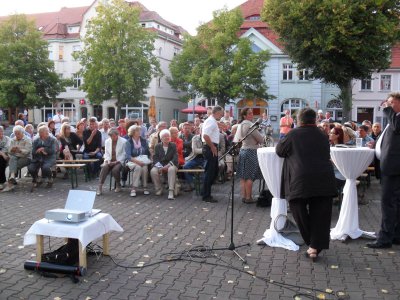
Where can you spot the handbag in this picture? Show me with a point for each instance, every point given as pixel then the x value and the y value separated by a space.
pixel 144 159
pixel 289 230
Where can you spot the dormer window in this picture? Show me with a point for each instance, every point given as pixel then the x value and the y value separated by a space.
pixel 254 18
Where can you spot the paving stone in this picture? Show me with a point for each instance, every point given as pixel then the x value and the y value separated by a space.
pixel 361 272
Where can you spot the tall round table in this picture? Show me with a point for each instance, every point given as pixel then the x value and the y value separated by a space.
pixel 351 162
pixel 271 168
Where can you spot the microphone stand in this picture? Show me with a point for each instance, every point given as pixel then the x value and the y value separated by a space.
pixel 234 151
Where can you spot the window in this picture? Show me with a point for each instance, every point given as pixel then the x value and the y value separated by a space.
pixel 60 75
pixel 159 81
pixel 386 82
pixel 287 71
pixel 303 74
pixel 176 114
pixel 51 54
pixel 159 51
pixel 176 51
pixel 77 80
pixel 60 52
pixel 143 25
pixel 366 84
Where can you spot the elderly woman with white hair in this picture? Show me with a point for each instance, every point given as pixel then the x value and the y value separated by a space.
pixel 44 150
pixel 136 149
pixel 20 153
pixel 165 161
pixel 4 145
pixel 114 158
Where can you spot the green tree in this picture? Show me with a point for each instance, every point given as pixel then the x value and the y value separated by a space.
pixel 27 76
pixel 218 64
pixel 337 40
pixel 117 59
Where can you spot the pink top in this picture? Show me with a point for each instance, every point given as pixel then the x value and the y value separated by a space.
pixel 285 124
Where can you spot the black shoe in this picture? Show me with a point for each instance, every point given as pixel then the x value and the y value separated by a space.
pixel 396 241
pixel 379 245
pixel 12 180
pixel 210 199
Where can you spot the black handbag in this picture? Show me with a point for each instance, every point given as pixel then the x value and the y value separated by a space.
pixel 67 254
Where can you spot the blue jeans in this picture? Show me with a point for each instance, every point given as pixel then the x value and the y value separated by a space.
pixel 94 168
pixel 191 164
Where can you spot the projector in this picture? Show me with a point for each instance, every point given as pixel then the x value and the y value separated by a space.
pixel 66 215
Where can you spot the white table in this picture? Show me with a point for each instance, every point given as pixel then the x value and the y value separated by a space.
pixel 351 162
pixel 271 168
pixel 95 227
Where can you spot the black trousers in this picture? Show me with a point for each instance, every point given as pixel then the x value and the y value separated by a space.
pixel 390 205
pixel 313 217
pixel 210 171
pixel 3 166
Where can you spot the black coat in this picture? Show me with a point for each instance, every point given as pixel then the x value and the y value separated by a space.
pixel 165 158
pixel 390 147
pixel 307 168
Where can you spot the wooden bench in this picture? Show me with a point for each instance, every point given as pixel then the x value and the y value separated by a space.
pixel 80 161
pixel 71 169
pixel 197 177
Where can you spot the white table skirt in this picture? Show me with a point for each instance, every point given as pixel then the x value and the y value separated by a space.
pixel 271 168
pixel 351 162
pixel 86 232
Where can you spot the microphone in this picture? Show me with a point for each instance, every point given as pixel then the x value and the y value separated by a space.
pixel 257 123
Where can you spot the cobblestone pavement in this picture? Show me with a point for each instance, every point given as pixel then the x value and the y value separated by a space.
pixel 154 226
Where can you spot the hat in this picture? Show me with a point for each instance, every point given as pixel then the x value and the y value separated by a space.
pixel 320 111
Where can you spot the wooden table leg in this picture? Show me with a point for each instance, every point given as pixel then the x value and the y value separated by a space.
pixel 76 177
pixel 82 256
pixel 39 247
pixel 106 244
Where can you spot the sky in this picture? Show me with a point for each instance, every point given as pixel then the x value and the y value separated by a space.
pixel 186 13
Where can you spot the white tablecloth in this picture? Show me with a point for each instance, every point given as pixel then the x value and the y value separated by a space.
pixel 85 232
pixel 351 162
pixel 271 168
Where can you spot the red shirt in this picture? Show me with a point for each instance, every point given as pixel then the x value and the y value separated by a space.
pixel 121 130
pixel 179 147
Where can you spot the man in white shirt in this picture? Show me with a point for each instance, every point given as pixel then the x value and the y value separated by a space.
pixel 58 119
pixel 210 139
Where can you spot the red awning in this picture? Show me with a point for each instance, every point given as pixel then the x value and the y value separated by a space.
pixel 197 110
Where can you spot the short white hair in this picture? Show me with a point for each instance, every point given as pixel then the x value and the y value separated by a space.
pixel 18 128
pixel 164 132
pixel 43 128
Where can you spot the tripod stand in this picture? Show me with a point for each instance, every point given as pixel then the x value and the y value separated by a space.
pixel 234 151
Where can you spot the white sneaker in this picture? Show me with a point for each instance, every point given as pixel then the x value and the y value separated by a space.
pixel 159 192
pixel 171 195
pixel 99 190
pixel 133 193
pixel 146 192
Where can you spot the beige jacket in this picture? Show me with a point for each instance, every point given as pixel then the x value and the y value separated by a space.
pixel 24 144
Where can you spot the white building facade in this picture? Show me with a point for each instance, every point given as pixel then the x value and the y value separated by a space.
pixel 64 31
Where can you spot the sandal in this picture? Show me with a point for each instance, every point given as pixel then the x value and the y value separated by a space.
pixel 312 255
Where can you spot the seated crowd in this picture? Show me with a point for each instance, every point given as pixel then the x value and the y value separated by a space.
pixel 124 148
pixel 128 148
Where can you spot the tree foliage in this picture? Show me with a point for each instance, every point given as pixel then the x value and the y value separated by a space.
pixel 218 64
pixel 27 76
pixel 338 40
pixel 117 59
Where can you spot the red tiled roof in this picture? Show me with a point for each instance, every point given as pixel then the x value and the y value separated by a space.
pixel 395 57
pixel 54 24
pixel 253 8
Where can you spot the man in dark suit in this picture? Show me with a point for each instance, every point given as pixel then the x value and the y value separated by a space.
pixel 308 180
pixel 165 160
pixel 388 151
